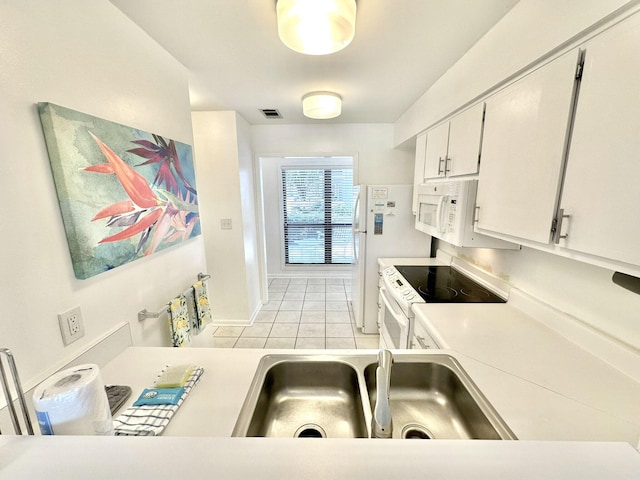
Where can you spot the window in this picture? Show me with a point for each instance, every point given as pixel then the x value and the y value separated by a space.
pixel 317 209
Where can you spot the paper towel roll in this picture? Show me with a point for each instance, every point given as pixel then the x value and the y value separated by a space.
pixel 73 402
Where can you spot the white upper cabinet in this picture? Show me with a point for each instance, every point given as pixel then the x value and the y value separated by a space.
pixel 418 172
pixel 465 137
pixel 453 148
pixel 601 192
pixel 436 152
pixel 523 151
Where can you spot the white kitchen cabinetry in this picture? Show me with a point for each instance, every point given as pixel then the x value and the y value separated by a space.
pixel 421 338
pixel 453 148
pixel 418 172
pixel 601 192
pixel 449 150
pixel 523 151
pixel 435 155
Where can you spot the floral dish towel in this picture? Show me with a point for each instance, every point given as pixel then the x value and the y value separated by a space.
pixel 203 309
pixel 179 322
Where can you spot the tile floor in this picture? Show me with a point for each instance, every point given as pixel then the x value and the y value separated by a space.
pixel 302 313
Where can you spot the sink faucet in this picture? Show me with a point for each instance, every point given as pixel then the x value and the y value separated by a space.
pixel 381 424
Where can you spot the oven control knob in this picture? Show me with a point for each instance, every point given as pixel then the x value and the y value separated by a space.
pixel 408 294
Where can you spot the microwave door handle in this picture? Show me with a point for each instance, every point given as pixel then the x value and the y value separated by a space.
pixel 439 213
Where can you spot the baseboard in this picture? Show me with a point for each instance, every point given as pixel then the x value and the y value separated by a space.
pixel 326 274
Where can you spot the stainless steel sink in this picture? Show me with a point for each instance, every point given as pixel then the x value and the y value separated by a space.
pixel 333 396
pixel 436 399
pixel 303 397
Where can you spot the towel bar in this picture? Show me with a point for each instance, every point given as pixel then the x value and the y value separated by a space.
pixel 7 394
pixel 144 314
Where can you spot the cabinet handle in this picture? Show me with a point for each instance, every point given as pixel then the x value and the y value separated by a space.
pixel 440 170
pixel 557 227
pixel 476 214
pixel 447 162
pixel 421 342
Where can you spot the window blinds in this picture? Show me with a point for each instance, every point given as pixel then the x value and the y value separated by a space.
pixel 317 215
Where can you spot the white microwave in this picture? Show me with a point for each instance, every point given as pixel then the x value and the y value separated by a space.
pixel 445 210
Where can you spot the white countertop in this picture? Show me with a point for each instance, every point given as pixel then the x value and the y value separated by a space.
pixel 210 412
pixel 543 377
pixel 168 458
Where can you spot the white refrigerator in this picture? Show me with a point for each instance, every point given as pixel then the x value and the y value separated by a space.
pixel 383 227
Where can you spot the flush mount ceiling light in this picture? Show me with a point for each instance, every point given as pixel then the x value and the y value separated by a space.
pixel 316 27
pixel 321 105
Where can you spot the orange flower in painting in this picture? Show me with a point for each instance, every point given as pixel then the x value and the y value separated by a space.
pixel 133 183
pixel 157 219
pixel 138 214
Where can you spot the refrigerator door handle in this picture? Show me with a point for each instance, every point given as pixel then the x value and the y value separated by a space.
pixel 353 245
pixel 356 208
pixel 356 231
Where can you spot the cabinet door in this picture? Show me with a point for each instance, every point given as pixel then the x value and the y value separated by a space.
pixel 437 140
pixel 601 192
pixel 418 172
pixel 523 149
pixel 465 135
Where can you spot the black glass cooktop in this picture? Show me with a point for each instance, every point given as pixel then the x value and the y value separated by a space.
pixel 443 284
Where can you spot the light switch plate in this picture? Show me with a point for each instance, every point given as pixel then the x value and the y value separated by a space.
pixel 225 224
pixel 71 325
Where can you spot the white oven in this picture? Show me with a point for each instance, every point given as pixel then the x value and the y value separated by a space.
pixel 395 317
pixel 395 326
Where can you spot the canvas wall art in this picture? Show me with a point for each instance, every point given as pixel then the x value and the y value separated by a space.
pixel 123 193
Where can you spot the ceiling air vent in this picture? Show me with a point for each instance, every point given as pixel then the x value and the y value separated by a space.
pixel 270 113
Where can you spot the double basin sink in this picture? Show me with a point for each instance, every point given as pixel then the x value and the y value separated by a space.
pixel 333 396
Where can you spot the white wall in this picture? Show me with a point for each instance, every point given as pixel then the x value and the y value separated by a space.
pixel 249 220
pixel 376 162
pixel 89 57
pixel 529 31
pixel 225 177
pixel 532 29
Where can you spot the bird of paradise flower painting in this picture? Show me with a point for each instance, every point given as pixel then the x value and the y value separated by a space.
pixel 123 193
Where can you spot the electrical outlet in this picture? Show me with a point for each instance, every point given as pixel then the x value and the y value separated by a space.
pixel 71 325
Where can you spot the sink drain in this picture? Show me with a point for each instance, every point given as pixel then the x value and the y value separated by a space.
pixel 310 430
pixel 416 431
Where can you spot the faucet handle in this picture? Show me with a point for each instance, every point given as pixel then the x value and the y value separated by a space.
pixel 385 359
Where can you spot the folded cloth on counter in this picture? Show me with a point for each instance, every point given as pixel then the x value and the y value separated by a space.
pixel 203 309
pixel 179 322
pixel 151 420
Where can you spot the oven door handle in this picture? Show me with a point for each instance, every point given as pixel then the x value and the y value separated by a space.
pixel 393 307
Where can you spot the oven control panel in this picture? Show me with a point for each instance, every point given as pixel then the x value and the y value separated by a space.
pixel 398 286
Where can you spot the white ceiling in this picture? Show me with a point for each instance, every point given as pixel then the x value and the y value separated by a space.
pixel 236 61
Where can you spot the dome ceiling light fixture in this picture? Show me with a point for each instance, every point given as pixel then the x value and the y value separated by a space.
pixel 316 27
pixel 321 105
